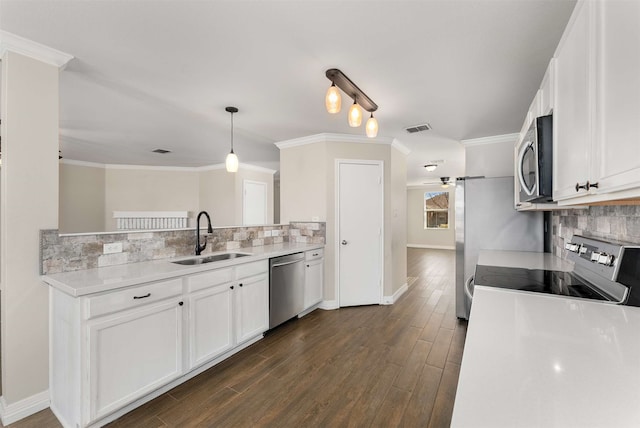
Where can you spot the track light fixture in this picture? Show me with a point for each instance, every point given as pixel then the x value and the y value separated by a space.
pixel 360 99
pixel 232 160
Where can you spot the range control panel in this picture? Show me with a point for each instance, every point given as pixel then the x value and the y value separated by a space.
pixel 597 256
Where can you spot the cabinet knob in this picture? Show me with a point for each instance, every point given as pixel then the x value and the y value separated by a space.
pixel 180 303
pixel 231 287
pixel 582 186
pixel 590 185
pixel 240 284
pixel 307 265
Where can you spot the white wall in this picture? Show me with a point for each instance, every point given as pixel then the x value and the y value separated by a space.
pixel 490 159
pixel 29 202
pixel 82 198
pixel 417 235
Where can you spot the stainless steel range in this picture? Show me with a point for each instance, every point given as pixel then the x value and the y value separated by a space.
pixel 605 271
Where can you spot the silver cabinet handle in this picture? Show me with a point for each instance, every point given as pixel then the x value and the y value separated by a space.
pixel 344 242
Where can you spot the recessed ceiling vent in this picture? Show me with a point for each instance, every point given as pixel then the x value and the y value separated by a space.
pixel 161 151
pixel 418 128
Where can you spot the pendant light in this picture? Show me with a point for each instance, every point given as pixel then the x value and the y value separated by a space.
pixel 355 114
pixel 372 127
pixel 232 160
pixel 333 100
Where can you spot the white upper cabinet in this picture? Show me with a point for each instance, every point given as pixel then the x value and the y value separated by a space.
pixel 597 104
pixel 616 162
pixel 546 94
pixel 572 124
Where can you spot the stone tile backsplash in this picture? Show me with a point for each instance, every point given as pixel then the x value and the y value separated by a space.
pixel 77 252
pixel 614 222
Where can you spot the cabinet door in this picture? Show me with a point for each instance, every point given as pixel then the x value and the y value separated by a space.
pixel 132 353
pixel 252 307
pixel 572 122
pixel 617 155
pixel 210 323
pixel 313 282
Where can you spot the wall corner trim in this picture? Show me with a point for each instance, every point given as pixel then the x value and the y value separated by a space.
pixel 400 147
pixel 35 50
pixel 504 138
pixel 10 413
pixel 390 300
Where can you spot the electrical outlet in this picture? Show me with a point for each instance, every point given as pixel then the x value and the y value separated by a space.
pixel 267 233
pixel 114 247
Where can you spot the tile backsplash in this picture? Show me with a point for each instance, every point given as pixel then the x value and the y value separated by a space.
pixel 614 222
pixel 85 251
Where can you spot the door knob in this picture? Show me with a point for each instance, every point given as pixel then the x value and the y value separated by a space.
pixel 344 242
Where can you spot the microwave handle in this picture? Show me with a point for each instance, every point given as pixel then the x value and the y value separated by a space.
pixel 523 150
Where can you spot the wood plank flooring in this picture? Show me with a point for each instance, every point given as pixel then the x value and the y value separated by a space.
pixel 368 366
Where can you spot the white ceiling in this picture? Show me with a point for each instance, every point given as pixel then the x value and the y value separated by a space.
pixel 158 74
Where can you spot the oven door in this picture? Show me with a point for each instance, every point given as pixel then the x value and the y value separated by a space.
pixel 527 167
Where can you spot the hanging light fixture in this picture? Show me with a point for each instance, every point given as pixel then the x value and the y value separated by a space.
pixel 430 167
pixel 372 127
pixel 333 100
pixel 355 115
pixel 360 100
pixel 232 160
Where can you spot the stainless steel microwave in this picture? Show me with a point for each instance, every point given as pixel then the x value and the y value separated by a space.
pixel 535 162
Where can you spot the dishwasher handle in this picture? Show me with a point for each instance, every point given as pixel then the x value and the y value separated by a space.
pixel 286 263
pixel 467 287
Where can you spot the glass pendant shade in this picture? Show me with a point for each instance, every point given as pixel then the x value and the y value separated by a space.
pixel 355 115
pixel 232 162
pixel 333 100
pixel 372 127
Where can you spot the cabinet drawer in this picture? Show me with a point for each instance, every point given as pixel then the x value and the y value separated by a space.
pixel 250 269
pixel 131 297
pixel 314 254
pixel 207 279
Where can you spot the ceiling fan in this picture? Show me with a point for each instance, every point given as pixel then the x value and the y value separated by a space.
pixel 444 182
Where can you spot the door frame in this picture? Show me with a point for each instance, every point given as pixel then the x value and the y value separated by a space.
pixel 336 214
pixel 244 201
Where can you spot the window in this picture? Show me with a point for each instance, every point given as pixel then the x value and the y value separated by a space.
pixel 436 210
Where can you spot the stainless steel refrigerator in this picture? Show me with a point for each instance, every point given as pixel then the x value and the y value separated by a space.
pixel 487 220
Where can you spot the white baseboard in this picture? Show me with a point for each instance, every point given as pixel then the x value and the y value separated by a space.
pixel 390 300
pixel 432 247
pixel 10 413
pixel 329 305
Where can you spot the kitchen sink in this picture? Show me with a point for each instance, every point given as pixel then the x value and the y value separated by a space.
pixel 209 259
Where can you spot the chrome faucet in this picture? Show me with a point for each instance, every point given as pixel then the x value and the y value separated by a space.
pixel 199 247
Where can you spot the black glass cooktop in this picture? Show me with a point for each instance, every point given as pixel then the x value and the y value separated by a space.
pixel 535 280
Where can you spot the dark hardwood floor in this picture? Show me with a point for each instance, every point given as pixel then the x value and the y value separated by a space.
pixel 378 366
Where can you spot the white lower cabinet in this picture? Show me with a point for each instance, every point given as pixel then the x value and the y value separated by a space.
pixel 115 348
pixel 313 278
pixel 133 353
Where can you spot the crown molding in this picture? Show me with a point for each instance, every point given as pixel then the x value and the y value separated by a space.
pixel 505 138
pixel 35 50
pixel 243 166
pixel 400 147
pixel 332 138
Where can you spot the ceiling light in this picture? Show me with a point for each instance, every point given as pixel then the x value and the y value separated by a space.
pixel 333 100
pixel 232 160
pixel 430 167
pixel 360 99
pixel 355 115
pixel 372 127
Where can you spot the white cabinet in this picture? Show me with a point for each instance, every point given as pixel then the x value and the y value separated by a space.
pixel 252 307
pixel 314 277
pixel 132 353
pixel 597 111
pixel 572 124
pixel 210 323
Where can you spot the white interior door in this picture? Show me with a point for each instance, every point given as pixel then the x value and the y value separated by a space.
pixel 360 231
pixel 254 202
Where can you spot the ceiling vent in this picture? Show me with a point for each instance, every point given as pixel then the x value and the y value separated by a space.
pixel 161 151
pixel 418 128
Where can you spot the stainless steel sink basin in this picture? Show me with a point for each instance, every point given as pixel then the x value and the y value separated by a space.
pixel 209 259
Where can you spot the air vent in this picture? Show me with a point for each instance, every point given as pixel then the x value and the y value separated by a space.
pixel 161 151
pixel 418 128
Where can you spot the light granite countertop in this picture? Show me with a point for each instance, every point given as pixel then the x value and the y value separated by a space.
pixel 90 281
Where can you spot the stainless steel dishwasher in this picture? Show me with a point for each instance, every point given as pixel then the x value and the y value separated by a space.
pixel 286 287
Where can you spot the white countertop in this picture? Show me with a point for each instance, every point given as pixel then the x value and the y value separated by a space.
pixel 523 259
pixel 533 360
pixel 89 281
